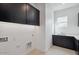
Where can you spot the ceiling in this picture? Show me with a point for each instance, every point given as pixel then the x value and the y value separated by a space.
pixel 60 6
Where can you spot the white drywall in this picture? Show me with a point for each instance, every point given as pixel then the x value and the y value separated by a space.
pixel 18 37
pixel 48 26
pixel 72 14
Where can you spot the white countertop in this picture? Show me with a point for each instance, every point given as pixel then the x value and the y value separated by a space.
pixel 77 37
pixel 73 35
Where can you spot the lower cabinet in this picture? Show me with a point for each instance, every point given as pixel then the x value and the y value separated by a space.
pixel 64 41
pixel 77 46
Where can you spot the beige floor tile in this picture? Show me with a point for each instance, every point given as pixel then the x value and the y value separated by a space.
pixel 54 50
pixel 36 52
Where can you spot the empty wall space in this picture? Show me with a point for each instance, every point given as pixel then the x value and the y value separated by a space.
pixel 48 26
pixel 18 37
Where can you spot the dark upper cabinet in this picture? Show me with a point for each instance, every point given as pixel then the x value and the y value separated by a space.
pixel 21 13
pixel 32 15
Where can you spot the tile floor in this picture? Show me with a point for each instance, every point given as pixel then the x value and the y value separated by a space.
pixel 54 50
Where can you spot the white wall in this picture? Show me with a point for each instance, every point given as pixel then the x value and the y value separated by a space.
pixel 18 37
pixel 72 13
pixel 48 26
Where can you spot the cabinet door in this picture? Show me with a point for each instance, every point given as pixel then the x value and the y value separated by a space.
pixel 12 12
pixel 32 15
pixel 58 40
pixel 64 41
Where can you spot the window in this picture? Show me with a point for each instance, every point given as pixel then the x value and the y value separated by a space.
pixel 61 21
pixel 61 24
